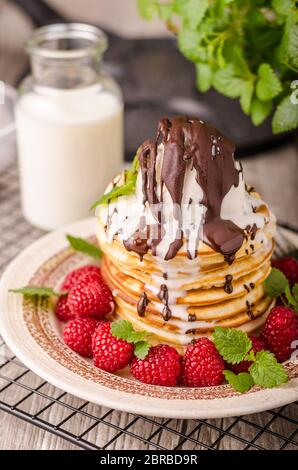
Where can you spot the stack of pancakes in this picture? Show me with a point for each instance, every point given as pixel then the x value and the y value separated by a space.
pixel 182 299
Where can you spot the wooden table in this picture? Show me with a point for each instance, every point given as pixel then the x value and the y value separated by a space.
pixel 275 176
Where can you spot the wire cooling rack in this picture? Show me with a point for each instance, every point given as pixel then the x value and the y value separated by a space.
pixel 88 426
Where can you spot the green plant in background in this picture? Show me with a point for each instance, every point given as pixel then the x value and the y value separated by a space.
pixel 245 49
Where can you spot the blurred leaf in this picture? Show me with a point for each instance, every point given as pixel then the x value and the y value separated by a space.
pixel 260 110
pixel 204 76
pixel 268 84
pixel 286 116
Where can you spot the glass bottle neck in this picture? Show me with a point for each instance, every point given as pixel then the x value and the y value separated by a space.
pixel 66 56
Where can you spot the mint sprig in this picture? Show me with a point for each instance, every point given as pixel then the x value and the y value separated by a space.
pixel 232 344
pixel 235 346
pixel 277 285
pixel 245 50
pixel 241 382
pixel 123 329
pixel 83 246
pixel 35 291
pixel 127 188
pixel 266 371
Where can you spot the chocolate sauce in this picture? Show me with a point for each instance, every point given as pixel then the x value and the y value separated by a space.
pixel 246 287
pixel 211 154
pixel 166 313
pixel 142 304
pixel 252 285
pixel 163 296
pixel 191 317
pixel 165 276
pixel 249 311
pixel 252 231
pixel 190 332
pixel 228 287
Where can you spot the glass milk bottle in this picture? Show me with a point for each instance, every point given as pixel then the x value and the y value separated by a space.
pixel 69 125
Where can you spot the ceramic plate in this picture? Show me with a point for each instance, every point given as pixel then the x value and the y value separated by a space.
pixel 34 335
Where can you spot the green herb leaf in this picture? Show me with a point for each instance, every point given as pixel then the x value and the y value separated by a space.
pixel 295 292
pixel 125 189
pixel 268 84
pixel 241 382
pixel 291 298
pixel 141 349
pixel 246 96
pixel 275 283
pixel 195 11
pixel 188 42
pixel 123 329
pixel 260 110
pixel 227 82
pixel 32 291
pixel 81 245
pixel 285 117
pixel 147 8
pixel 250 356
pixel 283 7
pixel 266 371
pixel 232 344
pixel 204 76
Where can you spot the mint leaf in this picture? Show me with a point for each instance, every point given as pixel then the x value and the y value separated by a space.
pixel 188 42
pixel 204 76
pixel 232 344
pixel 250 356
pixel 283 7
pixel 291 298
pixel 288 50
pixel 275 283
pixel 246 96
pixel 118 191
pixel 195 11
pixel 81 245
pixel 141 349
pixel 32 291
pixel 121 329
pixel 147 8
pixel 241 382
pixel 285 117
pixel 260 110
pixel 266 371
pixel 268 84
pixel 125 189
pixel 228 82
pixel 295 292
pixel 136 336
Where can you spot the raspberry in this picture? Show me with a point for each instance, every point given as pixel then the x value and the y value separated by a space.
pixel 62 310
pixel 78 335
pixel 289 266
pixel 110 353
pixel 280 331
pixel 90 299
pixel 74 276
pixel 243 366
pixel 160 367
pixel 202 365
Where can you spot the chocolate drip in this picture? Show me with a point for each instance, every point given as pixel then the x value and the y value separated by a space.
pixel 166 313
pixel 165 276
pixel 190 142
pixel 142 304
pixel 228 287
pixel 252 231
pixel 249 311
pixel 246 287
pixel 163 296
pixel 192 317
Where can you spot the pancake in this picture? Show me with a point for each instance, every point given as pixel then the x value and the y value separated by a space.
pixel 190 247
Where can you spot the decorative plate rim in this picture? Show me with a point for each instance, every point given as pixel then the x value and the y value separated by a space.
pixel 36 342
